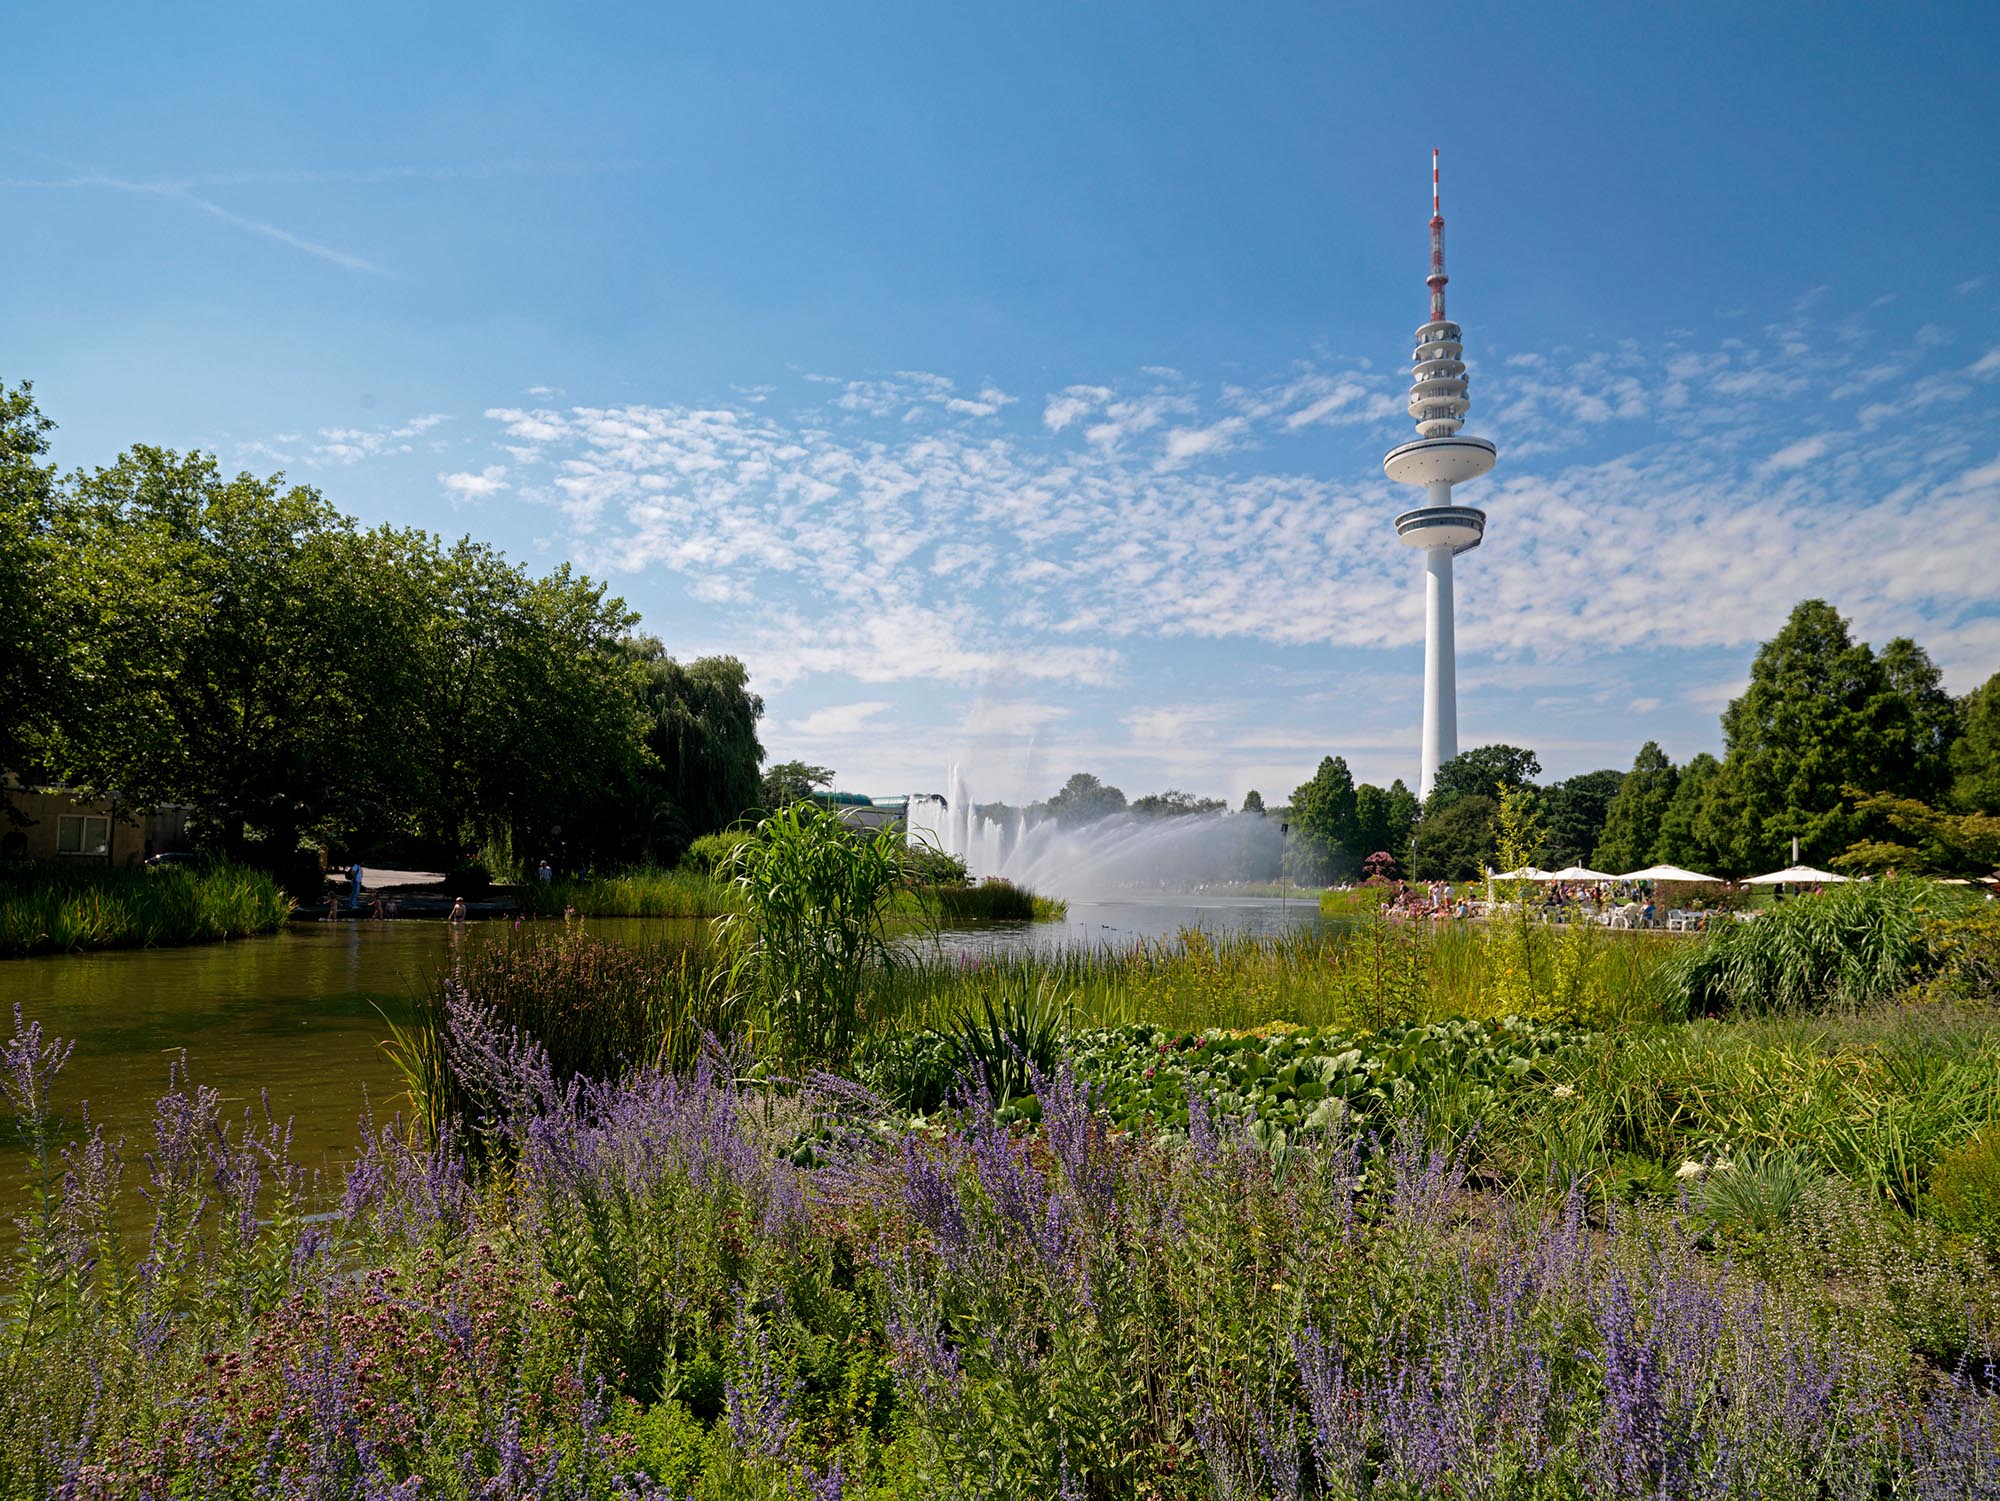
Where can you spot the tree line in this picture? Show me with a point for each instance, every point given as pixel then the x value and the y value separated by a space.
pixel 172 634
pixel 1862 756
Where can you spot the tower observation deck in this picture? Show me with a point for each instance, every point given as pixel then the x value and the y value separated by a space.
pixel 1441 456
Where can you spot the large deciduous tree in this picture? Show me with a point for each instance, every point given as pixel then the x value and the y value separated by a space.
pixel 1632 822
pixel 232 647
pixel 1920 722
pixel 1383 818
pixel 789 782
pixel 1573 815
pixel 1084 799
pixel 532 709
pixel 1686 834
pixel 32 657
pixel 1456 842
pixel 1174 803
pixel 1481 772
pixel 1975 754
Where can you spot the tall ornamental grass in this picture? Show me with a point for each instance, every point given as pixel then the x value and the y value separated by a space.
pixel 642 892
pixel 1852 946
pixel 55 909
pixel 679 1287
pixel 813 935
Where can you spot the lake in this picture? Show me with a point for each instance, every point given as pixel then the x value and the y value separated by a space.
pixel 302 1013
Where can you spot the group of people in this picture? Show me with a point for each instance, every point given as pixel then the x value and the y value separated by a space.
pixel 1430 900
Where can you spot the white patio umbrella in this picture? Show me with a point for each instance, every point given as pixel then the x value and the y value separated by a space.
pixel 1794 875
pixel 1525 873
pixel 1666 873
pixel 1580 873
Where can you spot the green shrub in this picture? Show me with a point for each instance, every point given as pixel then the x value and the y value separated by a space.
pixel 927 866
pixel 598 1008
pixel 1853 946
pixel 1967 950
pixel 1965 1188
pixel 669 1442
pixel 713 854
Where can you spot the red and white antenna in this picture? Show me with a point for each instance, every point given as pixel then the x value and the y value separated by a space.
pixel 1437 278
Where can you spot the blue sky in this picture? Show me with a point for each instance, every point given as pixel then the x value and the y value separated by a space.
pixel 1009 384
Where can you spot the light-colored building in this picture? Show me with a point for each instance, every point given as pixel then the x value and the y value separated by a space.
pixel 68 828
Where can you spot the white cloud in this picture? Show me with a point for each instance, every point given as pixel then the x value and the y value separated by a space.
pixel 1795 455
pixel 841 719
pixel 489 481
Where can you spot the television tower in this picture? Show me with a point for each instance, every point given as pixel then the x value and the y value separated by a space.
pixel 1439 458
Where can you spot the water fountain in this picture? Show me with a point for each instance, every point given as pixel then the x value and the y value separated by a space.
pixel 1126 851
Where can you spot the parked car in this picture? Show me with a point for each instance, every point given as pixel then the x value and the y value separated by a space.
pixel 175 857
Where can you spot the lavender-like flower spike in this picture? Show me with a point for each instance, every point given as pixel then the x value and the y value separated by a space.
pixel 758 1395
pixel 28 1068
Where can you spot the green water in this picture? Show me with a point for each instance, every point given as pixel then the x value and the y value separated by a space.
pixel 300 1014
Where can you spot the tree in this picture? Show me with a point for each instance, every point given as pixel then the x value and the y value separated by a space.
pixel 703 754
pixel 1922 722
pixel 1324 808
pixel 1975 754
pixel 1084 799
pixel 791 782
pixel 1684 837
pixel 1820 714
pixel 1383 819
pixel 1456 842
pixel 1574 813
pixel 1632 822
pixel 1253 801
pixel 31 652
pixel 534 708
pixel 1174 803
pixel 1481 772
pixel 241 647
pixel 1910 837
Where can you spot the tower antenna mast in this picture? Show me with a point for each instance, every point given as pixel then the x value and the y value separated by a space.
pixel 1440 457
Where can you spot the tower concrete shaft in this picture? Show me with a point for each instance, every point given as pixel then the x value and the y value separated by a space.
pixel 1440 669
pixel 1441 456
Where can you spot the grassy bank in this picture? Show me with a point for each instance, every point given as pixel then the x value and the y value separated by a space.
pixel 57 910
pixel 1368 975
pixel 631 893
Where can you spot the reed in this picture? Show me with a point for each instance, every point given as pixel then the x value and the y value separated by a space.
pixel 640 892
pixel 56 910
pixel 992 901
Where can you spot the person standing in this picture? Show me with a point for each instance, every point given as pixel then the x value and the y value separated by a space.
pixel 354 887
pixel 545 872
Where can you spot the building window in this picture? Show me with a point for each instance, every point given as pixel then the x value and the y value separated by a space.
pixel 83 834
